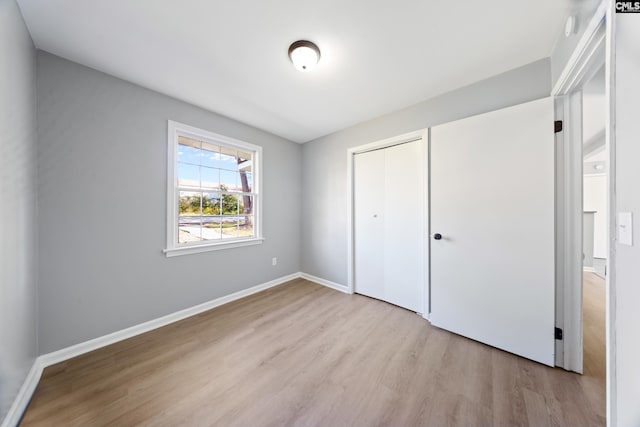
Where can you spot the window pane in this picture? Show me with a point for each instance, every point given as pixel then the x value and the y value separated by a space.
pixel 189 142
pixel 229 158
pixel 189 233
pixel 211 155
pixel 189 203
pixel 230 227
pixel 244 156
pixel 245 162
pixel 246 205
pixel 229 180
pixel 210 177
pixel 211 228
pixel 230 204
pixel 188 150
pixel 245 226
pixel 188 175
pixel 189 219
pixel 246 182
pixel 211 203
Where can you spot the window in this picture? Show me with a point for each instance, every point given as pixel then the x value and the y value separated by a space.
pixel 213 197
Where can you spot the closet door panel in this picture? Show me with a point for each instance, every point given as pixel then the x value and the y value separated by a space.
pixel 369 226
pixel 404 225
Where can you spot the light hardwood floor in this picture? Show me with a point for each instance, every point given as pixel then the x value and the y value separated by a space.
pixel 303 354
pixel 594 324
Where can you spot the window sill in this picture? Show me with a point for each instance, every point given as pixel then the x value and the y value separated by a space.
pixel 187 250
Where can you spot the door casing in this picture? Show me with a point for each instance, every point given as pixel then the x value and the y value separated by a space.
pixel 598 37
pixel 589 56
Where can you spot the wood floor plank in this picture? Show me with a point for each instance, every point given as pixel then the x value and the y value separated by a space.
pixel 305 355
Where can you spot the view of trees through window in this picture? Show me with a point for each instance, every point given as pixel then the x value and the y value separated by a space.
pixel 215 186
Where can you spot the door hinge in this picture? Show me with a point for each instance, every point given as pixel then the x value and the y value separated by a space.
pixel 557 126
pixel 558 333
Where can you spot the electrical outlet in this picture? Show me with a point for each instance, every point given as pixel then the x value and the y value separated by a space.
pixel 274 261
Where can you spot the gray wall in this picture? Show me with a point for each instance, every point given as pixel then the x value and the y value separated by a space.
pixel 626 270
pixel 583 10
pixel 324 161
pixel 18 223
pixel 102 204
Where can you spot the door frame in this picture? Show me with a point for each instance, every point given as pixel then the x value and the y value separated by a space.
pixel 595 47
pixel 420 135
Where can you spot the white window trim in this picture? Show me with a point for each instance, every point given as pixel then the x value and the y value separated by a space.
pixel 172 248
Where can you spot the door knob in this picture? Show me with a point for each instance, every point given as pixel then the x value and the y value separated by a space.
pixel 437 236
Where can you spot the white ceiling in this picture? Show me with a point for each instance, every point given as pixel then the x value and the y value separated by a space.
pixel 230 56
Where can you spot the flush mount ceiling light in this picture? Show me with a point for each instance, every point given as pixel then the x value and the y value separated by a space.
pixel 304 55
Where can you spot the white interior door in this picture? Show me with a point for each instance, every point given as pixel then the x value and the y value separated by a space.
pixel 492 204
pixel 389 224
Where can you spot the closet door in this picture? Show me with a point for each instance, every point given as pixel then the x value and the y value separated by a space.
pixel 389 224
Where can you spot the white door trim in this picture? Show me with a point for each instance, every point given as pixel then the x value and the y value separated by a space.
pixel 610 144
pixel 587 48
pixel 596 42
pixel 384 143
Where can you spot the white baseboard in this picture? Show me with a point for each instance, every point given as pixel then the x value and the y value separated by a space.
pixel 325 282
pixel 21 401
pixel 31 382
pixel 589 269
pixel 105 340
